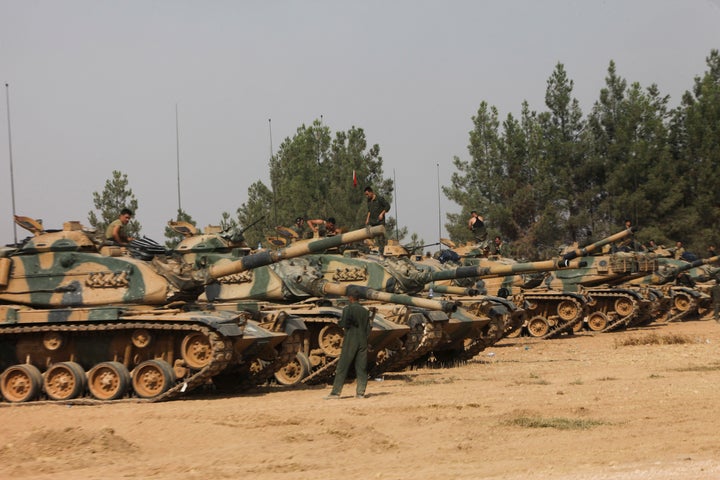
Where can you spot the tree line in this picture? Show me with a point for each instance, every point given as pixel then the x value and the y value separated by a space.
pixel 540 179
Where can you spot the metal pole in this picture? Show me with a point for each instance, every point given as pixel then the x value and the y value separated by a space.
pixel 177 149
pixel 272 173
pixel 438 189
pixel 397 222
pixel 12 177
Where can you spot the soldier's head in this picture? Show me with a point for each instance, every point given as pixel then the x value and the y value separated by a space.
pixel 369 193
pixel 125 215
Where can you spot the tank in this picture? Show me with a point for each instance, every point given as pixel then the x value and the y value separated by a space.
pixel 684 287
pixel 550 312
pixel 79 319
pixel 418 326
pixel 267 290
pixel 612 305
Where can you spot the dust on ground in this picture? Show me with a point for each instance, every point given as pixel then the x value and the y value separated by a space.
pixel 637 404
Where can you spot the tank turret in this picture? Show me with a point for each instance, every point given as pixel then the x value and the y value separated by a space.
pixel 77 316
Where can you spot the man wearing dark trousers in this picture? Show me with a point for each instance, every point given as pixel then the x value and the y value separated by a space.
pixel 355 321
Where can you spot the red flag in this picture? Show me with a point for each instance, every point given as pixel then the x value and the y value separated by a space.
pixel 354 179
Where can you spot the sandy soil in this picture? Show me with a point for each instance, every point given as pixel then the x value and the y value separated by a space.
pixel 640 404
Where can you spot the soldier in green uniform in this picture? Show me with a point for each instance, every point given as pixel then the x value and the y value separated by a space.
pixel 715 295
pixel 355 321
pixel 116 232
pixel 377 208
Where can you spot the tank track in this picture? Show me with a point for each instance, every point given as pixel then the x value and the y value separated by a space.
pixel 415 345
pixel 418 346
pixel 323 374
pixel 495 334
pixel 562 326
pixel 221 356
pixel 261 371
pixel 617 322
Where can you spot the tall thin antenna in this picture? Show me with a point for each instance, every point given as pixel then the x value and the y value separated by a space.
pixel 438 189
pixel 397 221
pixel 177 149
pixel 12 178
pixel 272 176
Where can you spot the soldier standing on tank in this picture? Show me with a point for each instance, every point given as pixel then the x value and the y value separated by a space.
pixel 377 208
pixel 116 232
pixel 355 322
pixel 476 224
pixel 715 295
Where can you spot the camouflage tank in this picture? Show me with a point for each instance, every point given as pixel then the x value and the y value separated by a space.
pixel 684 287
pixel 279 289
pixel 68 307
pixel 611 305
pixel 550 312
pixel 292 285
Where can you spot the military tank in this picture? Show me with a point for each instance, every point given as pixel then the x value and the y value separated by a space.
pixel 611 305
pixel 550 311
pixel 77 318
pixel 280 289
pixel 684 287
pixel 424 326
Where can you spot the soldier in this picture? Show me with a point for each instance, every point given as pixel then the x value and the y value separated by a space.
pixel 476 223
pixel 715 295
pixel 679 251
pixel 324 228
pixel 116 232
pixel 499 246
pixel 299 226
pixel 377 208
pixel 355 321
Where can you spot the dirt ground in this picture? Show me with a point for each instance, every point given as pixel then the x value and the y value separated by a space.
pixel 639 404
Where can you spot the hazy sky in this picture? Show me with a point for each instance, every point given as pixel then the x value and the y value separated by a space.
pixel 94 86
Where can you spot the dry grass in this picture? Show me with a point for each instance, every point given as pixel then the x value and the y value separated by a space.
pixel 654 339
pixel 559 423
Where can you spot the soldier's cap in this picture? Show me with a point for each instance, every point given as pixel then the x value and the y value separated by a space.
pixel 299 219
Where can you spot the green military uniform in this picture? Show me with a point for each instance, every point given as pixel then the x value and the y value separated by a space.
pixel 715 295
pixel 375 207
pixel 122 232
pixel 355 321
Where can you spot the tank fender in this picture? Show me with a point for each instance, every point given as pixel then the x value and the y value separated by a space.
pixel 294 324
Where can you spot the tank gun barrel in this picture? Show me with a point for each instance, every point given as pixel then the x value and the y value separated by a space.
pixel 321 287
pixel 580 252
pixel 297 249
pixel 669 275
pixel 505 269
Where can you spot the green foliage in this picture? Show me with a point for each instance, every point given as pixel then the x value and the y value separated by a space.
pixel 115 196
pixel 312 176
pixel 557 177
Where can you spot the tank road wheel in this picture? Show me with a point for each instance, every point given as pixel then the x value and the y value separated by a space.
pixel 623 306
pixel 152 378
pixel 597 321
pixel 682 302
pixel 294 371
pixel 578 326
pixel 141 338
pixel 20 383
pixel 567 310
pixel 196 350
pixel 64 381
pixel 515 333
pixel 538 326
pixel 330 340
pixel 108 380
